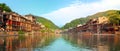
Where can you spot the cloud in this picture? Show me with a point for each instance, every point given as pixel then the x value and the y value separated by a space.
pixel 79 9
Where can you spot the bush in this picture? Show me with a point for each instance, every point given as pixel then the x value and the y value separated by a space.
pixel 21 32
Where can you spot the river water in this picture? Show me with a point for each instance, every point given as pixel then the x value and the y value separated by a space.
pixel 61 42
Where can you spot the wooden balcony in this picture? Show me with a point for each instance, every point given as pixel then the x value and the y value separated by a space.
pixel 15 22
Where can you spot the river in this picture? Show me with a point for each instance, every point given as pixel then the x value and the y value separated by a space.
pixel 65 42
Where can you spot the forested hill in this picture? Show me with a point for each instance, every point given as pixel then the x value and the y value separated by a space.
pixel 46 22
pixel 110 13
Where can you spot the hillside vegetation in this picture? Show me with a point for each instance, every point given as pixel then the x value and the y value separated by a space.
pixel 46 22
pixel 113 15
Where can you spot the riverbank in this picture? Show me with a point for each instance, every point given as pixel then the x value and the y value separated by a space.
pixel 17 33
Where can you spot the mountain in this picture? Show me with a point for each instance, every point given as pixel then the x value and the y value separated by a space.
pixel 113 14
pixel 74 23
pixel 46 22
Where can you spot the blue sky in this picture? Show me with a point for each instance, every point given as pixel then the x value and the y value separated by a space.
pixel 61 11
pixel 36 7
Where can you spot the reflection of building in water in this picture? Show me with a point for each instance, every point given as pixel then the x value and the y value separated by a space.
pixel 25 43
pixel 103 48
pixel 105 43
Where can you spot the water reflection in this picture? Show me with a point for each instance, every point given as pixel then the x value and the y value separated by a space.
pixel 95 42
pixel 68 42
pixel 25 43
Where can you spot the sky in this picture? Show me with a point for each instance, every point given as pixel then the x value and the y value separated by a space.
pixel 61 12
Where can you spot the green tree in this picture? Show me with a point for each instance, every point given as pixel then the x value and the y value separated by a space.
pixel 5 7
pixel 114 17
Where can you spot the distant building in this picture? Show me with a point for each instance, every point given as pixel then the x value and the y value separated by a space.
pixel 93 25
pixel 30 17
pixel 102 20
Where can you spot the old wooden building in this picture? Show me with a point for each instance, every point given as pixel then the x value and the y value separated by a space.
pixel 96 25
pixel 11 21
